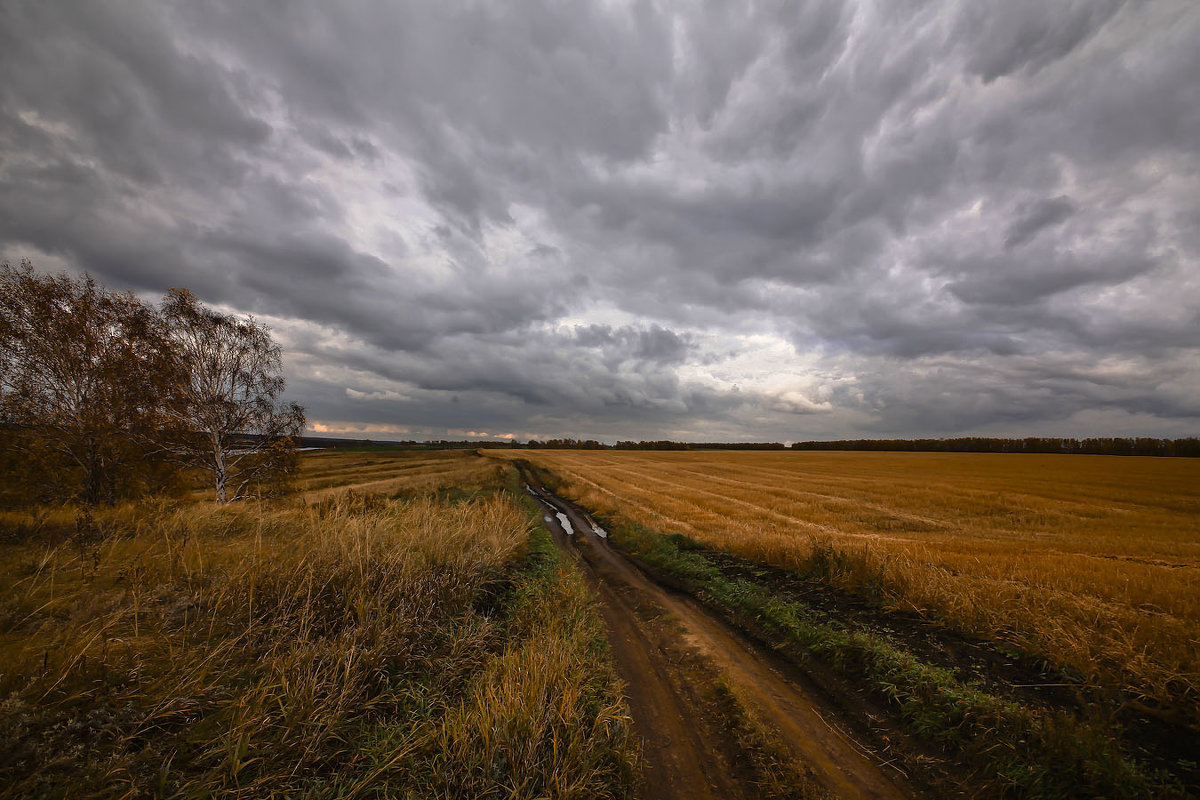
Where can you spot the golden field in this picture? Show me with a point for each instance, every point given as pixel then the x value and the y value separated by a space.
pixel 1090 562
pixel 338 643
pixel 327 473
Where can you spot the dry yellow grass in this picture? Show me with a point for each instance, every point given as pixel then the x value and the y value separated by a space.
pixel 1092 562
pixel 337 644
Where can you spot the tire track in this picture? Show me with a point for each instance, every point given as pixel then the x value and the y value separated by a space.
pixel 685 754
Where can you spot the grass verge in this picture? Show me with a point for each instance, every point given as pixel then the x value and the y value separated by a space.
pixel 381 648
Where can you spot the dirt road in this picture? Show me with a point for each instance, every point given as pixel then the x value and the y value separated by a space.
pixel 674 655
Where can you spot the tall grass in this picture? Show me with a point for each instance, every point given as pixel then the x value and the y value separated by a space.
pixel 345 646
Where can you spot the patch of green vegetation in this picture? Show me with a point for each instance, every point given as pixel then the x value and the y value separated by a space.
pixel 1024 751
pixel 542 475
pixel 457 494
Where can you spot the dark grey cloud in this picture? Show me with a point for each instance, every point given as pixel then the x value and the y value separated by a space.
pixel 1025 36
pixel 1033 217
pixel 764 220
pixel 654 345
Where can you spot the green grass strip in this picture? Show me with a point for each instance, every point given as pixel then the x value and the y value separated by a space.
pixel 1026 751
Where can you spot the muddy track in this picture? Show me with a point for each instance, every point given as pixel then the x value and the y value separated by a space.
pixel 673 653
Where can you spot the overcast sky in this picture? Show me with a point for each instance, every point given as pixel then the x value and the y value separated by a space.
pixel 686 220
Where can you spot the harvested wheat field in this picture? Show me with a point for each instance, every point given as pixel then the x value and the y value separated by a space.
pixel 1089 562
pixel 327 473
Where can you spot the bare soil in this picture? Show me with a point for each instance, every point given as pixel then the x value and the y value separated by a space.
pixel 675 655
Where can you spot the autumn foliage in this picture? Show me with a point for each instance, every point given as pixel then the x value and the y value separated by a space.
pixel 101 399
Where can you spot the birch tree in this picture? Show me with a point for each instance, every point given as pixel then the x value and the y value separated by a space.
pixel 230 422
pixel 85 379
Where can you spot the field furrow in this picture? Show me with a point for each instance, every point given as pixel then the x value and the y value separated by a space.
pixel 1092 563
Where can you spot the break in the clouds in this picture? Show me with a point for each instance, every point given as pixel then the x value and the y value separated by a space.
pixel 614 219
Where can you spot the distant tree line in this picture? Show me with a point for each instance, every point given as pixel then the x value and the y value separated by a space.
pixel 1109 446
pixel 740 446
pixel 566 444
pixel 659 444
pixel 1141 446
pixel 335 443
pixel 104 397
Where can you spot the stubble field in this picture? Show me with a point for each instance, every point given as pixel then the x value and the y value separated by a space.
pixel 1090 563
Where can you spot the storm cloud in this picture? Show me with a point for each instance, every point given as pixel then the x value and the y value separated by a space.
pixel 641 220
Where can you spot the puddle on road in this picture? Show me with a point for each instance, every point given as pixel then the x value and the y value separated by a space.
pixel 596 529
pixel 566 523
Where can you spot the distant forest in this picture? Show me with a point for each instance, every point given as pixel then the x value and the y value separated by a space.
pixel 1109 446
